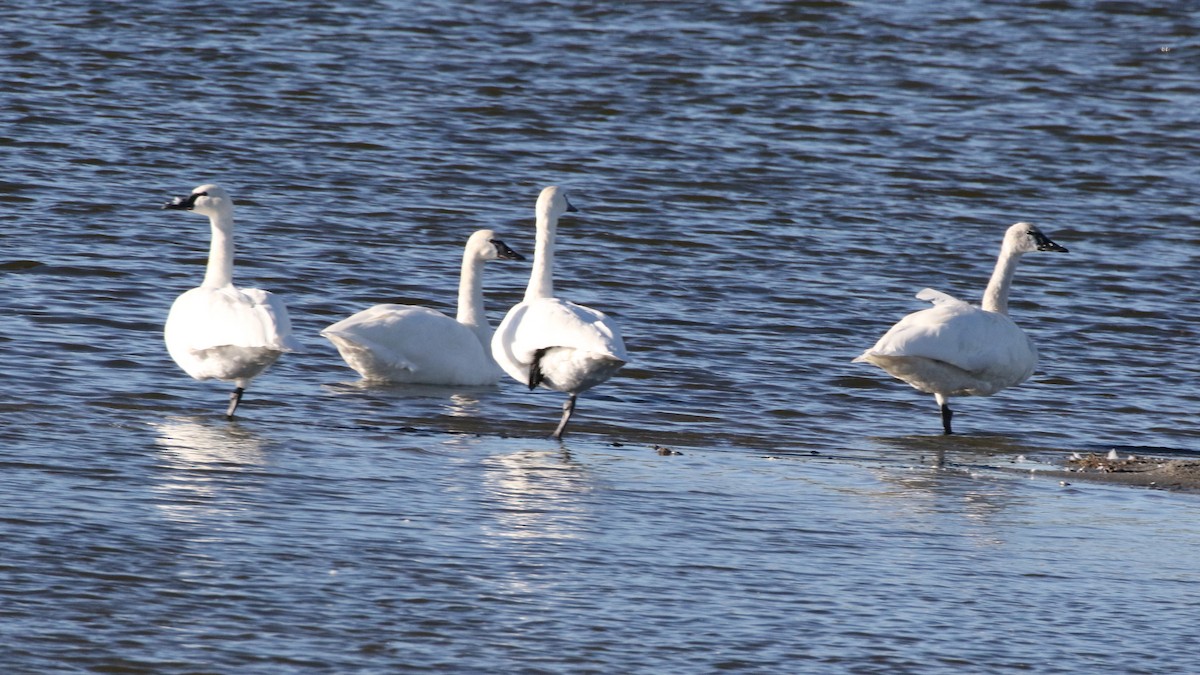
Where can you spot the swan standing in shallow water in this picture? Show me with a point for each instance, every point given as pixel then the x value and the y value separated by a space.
pixel 417 345
pixel 956 349
pixel 550 342
pixel 217 331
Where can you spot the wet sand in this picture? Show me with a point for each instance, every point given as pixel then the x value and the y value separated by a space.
pixel 1149 471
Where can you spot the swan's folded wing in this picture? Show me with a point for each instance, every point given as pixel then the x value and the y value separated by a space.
pixel 408 336
pixel 549 323
pixel 204 319
pixel 918 333
pixel 363 339
pixel 957 333
pixel 274 321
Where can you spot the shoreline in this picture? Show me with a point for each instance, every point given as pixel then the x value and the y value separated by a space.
pixel 1148 471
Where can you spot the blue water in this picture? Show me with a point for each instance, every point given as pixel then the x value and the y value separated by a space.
pixel 762 188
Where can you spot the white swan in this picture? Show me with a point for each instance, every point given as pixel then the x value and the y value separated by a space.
pixel 550 342
pixel 218 331
pixel 956 349
pixel 407 343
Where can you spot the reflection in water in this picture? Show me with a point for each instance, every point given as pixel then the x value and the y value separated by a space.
pixel 462 405
pixel 419 405
pixel 923 495
pixel 196 443
pixel 930 494
pixel 957 451
pixel 536 494
pixel 198 459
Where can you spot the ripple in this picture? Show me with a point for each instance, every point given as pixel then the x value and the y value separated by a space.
pixel 763 187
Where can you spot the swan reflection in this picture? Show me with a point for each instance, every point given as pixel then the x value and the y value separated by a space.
pixel 194 443
pixel 462 405
pixel 422 404
pixel 198 459
pixel 536 494
pixel 925 493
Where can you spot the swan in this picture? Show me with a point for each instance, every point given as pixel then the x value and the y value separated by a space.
pixel 550 342
pixel 218 331
pixel 957 349
pixel 417 345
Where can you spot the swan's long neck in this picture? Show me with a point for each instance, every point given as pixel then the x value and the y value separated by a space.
pixel 220 255
pixel 541 280
pixel 470 298
pixel 995 297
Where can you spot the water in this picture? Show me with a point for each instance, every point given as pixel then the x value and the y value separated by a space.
pixel 763 188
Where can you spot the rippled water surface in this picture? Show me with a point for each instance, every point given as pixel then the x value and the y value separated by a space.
pixel 763 187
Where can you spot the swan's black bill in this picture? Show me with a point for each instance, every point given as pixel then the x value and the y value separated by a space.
pixel 503 252
pixel 571 208
pixel 1044 243
pixel 184 204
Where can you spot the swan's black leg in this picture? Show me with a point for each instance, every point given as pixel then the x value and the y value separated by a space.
pixel 234 399
pixel 568 408
pixel 947 413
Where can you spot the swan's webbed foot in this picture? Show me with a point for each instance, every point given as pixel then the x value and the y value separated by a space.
pixel 568 408
pixel 234 399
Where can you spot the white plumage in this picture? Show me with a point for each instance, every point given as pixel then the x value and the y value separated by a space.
pixel 551 342
pixel 574 347
pixel 217 331
pixel 956 349
pixel 412 344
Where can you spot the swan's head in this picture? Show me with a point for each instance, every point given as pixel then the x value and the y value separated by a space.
pixel 209 200
pixel 552 203
pixel 1027 238
pixel 483 245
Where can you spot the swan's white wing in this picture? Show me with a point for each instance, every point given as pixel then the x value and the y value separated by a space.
pixel 962 335
pixel 407 343
pixel 274 320
pixel 205 318
pixel 365 340
pixel 549 323
pixel 227 334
